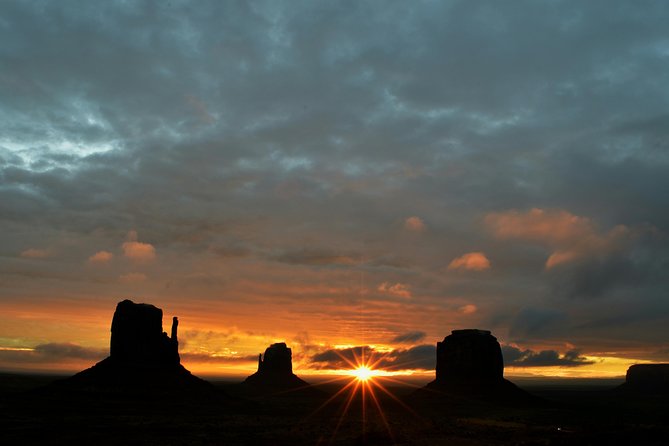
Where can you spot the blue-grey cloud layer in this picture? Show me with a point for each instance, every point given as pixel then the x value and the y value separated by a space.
pixel 302 135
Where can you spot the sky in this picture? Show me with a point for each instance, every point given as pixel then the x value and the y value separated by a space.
pixel 338 176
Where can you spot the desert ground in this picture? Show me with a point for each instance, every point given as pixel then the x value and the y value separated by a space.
pixel 581 412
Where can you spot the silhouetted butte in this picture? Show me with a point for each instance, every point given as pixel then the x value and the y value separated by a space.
pixel 275 370
pixel 142 357
pixel 470 364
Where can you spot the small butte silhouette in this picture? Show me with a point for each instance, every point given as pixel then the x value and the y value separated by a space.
pixel 275 375
pixel 275 369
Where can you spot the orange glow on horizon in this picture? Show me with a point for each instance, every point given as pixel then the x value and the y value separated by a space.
pixel 226 344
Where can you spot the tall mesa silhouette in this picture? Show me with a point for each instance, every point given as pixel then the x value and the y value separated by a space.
pixel 470 364
pixel 142 357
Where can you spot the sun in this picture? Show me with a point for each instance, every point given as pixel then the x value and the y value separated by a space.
pixel 362 373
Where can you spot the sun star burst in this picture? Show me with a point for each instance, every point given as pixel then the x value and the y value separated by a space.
pixel 362 373
pixel 366 385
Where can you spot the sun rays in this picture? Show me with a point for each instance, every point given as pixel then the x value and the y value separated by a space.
pixel 365 391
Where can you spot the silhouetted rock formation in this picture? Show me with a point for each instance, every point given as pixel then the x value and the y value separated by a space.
pixel 470 364
pixel 647 378
pixel 275 369
pixel 469 355
pixel 142 357
pixel 278 360
pixel 137 335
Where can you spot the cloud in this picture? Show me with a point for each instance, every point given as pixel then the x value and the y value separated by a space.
pixel 233 251
pixel 534 322
pixel 132 278
pixel 420 357
pixel 468 309
pixel 396 289
pixel 585 261
pixel 138 251
pixel 316 257
pixel 592 277
pixel 216 358
pixel 618 239
pixel 515 357
pixel 200 109
pixel 339 358
pixel 472 261
pixel 409 337
pixel 414 224
pixel 210 337
pixel 35 253
pixel 555 227
pixel 569 236
pixel 68 350
pixel 101 257
pixel 559 257
pixel 51 352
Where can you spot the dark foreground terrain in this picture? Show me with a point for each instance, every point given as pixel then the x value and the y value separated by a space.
pixel 229 415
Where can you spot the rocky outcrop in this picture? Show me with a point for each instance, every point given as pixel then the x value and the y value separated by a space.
pixel 142 357
pixel 470 364
pixel 275 369
pixel 647 378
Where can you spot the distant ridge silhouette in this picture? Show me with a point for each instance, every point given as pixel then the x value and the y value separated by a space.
pixel 142 357
pixel 647 379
